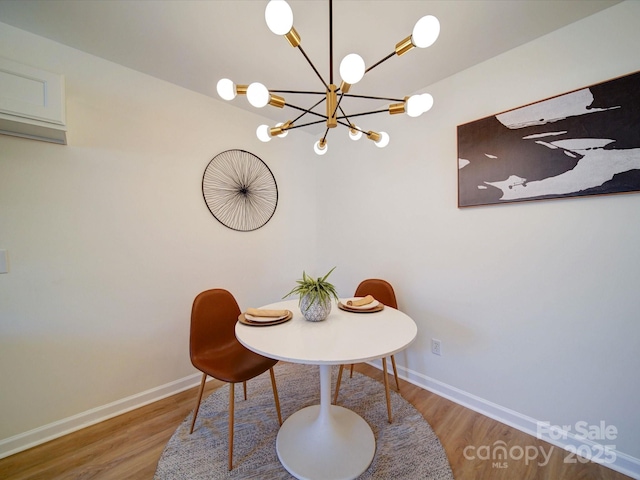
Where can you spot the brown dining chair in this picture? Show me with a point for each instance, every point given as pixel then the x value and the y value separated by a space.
pixel 382 291
pixel 216 351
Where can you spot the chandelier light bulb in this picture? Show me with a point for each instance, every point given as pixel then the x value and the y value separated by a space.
pixel 262 132
pixel 320 150
pixel 258 95
pixel 426 100
pixel 425 32
pixel 226 89
pixel 284 132
pixel 279 17
pixel 352 68
pixel 384 140
pixel 354 134
pixel 414 106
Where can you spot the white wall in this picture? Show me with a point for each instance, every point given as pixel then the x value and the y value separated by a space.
pixel 536 304
pixel 109 239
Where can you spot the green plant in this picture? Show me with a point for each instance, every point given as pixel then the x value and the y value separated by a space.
pixel 317 290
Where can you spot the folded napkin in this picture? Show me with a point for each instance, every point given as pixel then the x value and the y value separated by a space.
pixel 261 312
pixel 361 301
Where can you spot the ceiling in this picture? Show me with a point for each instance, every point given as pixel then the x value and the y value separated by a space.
pixel 195 43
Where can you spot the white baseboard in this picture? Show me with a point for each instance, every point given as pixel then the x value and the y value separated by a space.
pixel 37 436
pixel 615 460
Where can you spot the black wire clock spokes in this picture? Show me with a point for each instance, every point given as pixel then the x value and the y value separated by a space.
pixel 240 190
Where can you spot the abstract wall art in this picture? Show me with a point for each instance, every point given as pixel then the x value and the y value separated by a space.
pixel 581 143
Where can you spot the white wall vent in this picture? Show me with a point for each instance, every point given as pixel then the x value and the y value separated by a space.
pixel 32 103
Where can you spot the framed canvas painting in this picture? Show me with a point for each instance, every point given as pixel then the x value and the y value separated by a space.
pixel 585 142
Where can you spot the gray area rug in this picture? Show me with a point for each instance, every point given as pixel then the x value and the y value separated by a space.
pixel 406 449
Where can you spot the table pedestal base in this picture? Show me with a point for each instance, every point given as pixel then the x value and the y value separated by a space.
pixel 310 447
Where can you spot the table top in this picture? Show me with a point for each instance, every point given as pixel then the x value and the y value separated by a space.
pixel 344 337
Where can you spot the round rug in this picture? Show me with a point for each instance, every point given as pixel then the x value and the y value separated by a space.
pixel 405 449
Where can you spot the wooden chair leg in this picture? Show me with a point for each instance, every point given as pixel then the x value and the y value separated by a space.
pixel 244 388
pixel 195 412
pixel 231 411
pixel 386 387
pixel 395 371
pixel 351 373
pixel 335 395
pixel 275 394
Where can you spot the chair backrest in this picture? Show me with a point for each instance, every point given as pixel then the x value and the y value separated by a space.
pixel 213 319
pixel 381 290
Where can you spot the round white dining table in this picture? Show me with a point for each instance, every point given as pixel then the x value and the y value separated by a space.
pixel 327 441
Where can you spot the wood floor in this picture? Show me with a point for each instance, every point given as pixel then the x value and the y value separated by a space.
pixel 128 446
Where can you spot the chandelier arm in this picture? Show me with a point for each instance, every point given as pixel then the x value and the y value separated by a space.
pixel 338 106
pixel 324 137
pixel 309 110
pixel 373 98
pixel 305 110
pixel 386 110
pixel 306 124
pixel 379 62
pixel 299 91
pixel 350 126
pixel 346 117
pixel 331 42
pixel 313 66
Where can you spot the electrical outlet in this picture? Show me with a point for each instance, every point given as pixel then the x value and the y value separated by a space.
pixel 4 264
pixel 436 346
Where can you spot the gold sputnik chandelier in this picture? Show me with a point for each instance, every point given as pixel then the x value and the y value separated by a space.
pixel 279 18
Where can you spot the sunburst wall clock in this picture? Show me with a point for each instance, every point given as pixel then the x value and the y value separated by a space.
pixel 240 190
